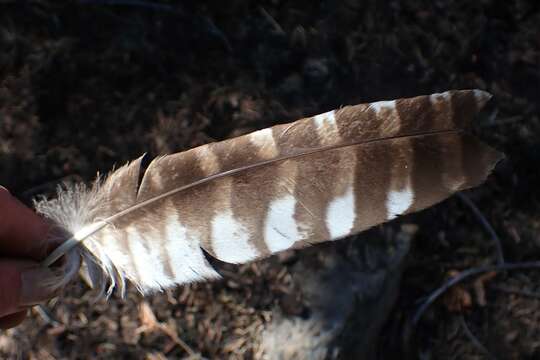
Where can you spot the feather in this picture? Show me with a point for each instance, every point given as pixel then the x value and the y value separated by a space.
pixel 320 178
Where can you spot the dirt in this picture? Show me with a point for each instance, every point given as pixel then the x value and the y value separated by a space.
pixel 85 85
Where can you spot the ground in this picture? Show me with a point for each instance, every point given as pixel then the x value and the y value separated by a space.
pixel 85 85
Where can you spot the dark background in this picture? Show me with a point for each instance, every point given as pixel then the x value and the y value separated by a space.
pixel 85 85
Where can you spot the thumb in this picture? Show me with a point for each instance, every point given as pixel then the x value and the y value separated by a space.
pixel 22 284
pixel 12 320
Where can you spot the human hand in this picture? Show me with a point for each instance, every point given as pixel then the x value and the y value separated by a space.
pixel 23 244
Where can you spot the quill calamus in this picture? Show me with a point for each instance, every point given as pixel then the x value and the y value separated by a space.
pixel 292 185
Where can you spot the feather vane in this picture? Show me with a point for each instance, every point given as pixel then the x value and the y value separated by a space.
pixel 320 178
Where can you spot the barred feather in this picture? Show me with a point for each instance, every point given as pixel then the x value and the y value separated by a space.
pixel 317 179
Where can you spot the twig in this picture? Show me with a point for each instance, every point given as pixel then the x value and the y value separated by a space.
pixel 473 339
pixel 272 21
pixel 46 315
pixel 177 340
pixel 487 226
pixel 466 274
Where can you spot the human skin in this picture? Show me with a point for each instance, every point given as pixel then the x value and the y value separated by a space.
pixel 23 243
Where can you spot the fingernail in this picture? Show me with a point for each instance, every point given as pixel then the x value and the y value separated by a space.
pixel 37 286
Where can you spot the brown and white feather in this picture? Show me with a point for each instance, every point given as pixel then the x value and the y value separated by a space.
pixel 317 179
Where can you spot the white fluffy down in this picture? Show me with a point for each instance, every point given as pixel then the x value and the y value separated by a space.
pixel 75 207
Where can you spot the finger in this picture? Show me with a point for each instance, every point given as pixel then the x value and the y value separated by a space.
pixel 23 233
pixel 12 320
pixel 23 284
